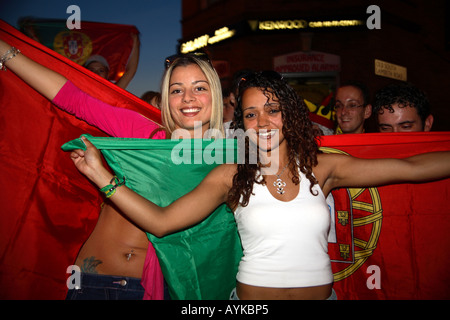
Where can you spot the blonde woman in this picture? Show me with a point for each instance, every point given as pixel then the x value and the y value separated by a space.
pixel 116 251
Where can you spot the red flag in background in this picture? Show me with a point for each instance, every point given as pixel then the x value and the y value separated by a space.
pixel 112 41
pixel 48 208
pixel 391 242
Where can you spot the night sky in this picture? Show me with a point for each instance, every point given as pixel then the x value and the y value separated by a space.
pixel 157 20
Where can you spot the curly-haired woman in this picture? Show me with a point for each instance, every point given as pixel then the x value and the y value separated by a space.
pixel 283 219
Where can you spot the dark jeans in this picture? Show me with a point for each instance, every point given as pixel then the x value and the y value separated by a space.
pixel 104 287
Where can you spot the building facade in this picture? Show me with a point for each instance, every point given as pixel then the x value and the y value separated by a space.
pixel 319 44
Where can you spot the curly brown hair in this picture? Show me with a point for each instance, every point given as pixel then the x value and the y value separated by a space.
pixel 297 130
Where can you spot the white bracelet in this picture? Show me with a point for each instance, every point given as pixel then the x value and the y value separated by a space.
pixel 11 53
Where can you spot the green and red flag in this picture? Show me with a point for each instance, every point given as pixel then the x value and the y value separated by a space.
pixel 390 242
pixel 111 41
pixel 201 262
pixel 387 242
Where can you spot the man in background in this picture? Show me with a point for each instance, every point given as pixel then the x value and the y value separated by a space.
pixel 402 107
pixel 352 107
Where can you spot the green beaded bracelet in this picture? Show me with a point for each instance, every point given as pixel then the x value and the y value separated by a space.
pixel 110 189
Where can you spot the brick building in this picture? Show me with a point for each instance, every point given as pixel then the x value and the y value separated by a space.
pixel 319 44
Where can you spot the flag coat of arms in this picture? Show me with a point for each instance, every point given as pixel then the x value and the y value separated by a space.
pixel 390 242
pixel 93 38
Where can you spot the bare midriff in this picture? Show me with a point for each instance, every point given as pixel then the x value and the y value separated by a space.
pixel 248 292
pixel 116 247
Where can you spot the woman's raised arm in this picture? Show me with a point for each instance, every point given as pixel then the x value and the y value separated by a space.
pixel 132 65
pixel 46 81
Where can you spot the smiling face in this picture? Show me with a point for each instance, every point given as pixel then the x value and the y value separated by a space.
pixel 190 98
pixel 350 110
pixel 263 115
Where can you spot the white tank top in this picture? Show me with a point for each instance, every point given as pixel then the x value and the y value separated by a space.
pixel 285 243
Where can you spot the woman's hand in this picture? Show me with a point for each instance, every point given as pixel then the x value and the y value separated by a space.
pixel 89 162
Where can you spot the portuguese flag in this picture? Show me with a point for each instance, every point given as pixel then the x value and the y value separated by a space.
pixel 387 242
pixel 48 209
pixel 111 41
pixel 391 242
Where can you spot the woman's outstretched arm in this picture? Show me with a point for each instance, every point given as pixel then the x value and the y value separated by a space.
pixel 347 171
pixel 182 213
pixel 46 81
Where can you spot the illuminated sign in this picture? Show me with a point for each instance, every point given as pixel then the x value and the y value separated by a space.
pixel 390 70
pixel 200 42
pixel 244 27
pixel 281 25
pixel 302 24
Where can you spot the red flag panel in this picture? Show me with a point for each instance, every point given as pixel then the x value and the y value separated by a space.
pixel 48 209
pixel 398 246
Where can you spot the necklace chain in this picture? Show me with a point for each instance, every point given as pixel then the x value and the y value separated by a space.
pixel 279 183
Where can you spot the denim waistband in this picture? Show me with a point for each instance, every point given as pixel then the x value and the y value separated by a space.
pixel 91 280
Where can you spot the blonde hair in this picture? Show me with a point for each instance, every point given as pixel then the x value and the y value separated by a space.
pixel 216 121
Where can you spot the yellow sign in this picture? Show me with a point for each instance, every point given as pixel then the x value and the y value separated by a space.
pixel 282 24
pixel 200 42
pixel 266 25
pixel 335 23
pixel 389 70
pixel 302 24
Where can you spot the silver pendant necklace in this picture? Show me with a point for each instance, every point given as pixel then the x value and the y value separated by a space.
pixel 280 184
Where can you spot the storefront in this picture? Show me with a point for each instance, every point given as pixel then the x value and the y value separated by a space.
pixel 315 75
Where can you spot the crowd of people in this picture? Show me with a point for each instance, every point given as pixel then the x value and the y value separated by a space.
pixel 397 107
pixel 284 257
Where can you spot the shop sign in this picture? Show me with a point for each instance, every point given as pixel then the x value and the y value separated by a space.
pixel 312 61
pixel 303 24
pixel 250 26
pixel 202 41
pixel 390 70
